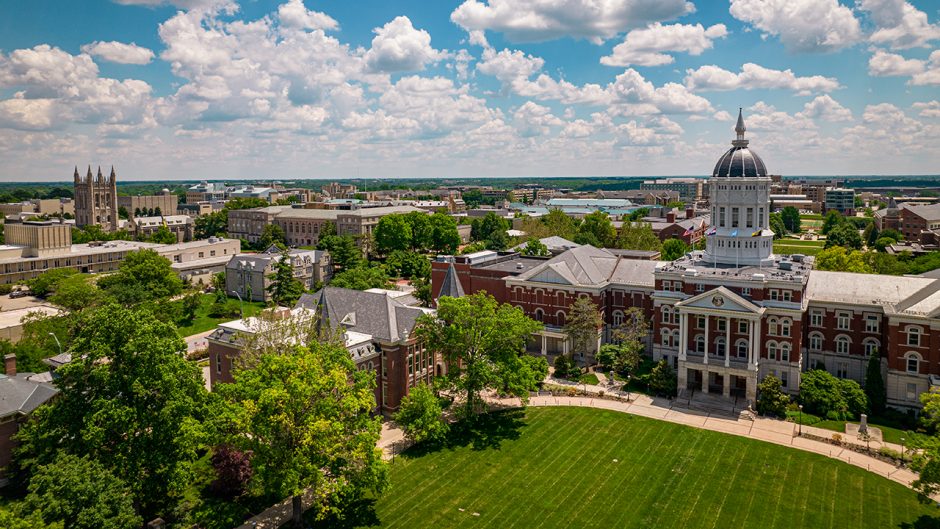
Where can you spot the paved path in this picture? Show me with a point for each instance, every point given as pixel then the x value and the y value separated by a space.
pixel 195 342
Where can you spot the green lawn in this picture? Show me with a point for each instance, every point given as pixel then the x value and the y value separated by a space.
pixel 799 242
pixel 203 322
pixel 555 467
pixel 889 434
pixel 786 248
pixel 589 378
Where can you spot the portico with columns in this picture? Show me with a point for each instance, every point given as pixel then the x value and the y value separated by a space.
pixel 719 344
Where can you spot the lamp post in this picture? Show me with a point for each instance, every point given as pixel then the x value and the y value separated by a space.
pixel 902 450
pixel 627 385
pixel 241 303
pixel 801 421
pixel 57 342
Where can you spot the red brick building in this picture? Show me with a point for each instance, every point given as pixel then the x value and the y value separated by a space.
pixel 20 395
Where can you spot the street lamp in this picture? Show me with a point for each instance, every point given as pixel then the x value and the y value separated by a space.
pixel 56 338
pixel 902 450
pixel 627 385
pixel 801 421
pixel 241 303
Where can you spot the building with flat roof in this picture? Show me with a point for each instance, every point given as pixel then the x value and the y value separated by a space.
pixel 841 200
pixel 689 189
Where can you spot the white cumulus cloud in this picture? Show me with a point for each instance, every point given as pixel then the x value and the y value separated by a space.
pixel 294 14
pixel 538 20
pixel 885 64
pixel 119 52
pixel 826 108
pixel 928 109
pixel 900 25
pixel 645 47
pixel 754 76
pixel 802 25
pixel 399 47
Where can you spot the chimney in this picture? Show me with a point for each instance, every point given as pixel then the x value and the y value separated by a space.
pixel 689 213
pixel 9 364
pixel 671 216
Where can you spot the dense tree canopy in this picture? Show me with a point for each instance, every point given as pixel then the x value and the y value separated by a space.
pixel 144 275
pixel 674 249
pixel 344 253
pixel 483 342
pixel 393 232
pixel 361 278
pixel 285 289
pixel 597 228
pixel 582 325
pixel 638 236
pixel 791 219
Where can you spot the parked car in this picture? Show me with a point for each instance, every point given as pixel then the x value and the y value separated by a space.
pixel 20 293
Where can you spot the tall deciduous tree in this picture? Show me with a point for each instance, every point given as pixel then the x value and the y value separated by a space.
pixel 771 399
pixel 560 224
pixel 393 232
pixel 598 227
pixel 421 415
pixel 444 235
pixel 344 253
pixel 674 249
pixel 75 293
pixel 638 236
pixel 82 494
pixel 791 219
pixel 582 325
pixel 306 418
pixel 845 234
pixel 832 219
pixel 482 340
pixel 144 275
pixel 129 400
pixel 875 384
pixel 484 229
pixel 535 247
pixel 838 259
pixel 285 289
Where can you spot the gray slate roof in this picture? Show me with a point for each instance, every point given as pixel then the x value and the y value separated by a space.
pixel 18 395
pixel 451 286
pixel 373 313
pixel 590 266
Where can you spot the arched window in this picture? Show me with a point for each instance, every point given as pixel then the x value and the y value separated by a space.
pixel 785 351
pixel 665 337
pixel 772 350
pixel 912 361
pixel 667 314
pixel 785 327
pixel 371 365
pixel 741 347
pixel 842 344
pixel 699 344
pixel 560 318
pixel 871 346
pixel 772 326
pixel 913 335
pixel 539 315
pixel 720 346
pixel 675 338
pixel 560 298
pixel 815 341
pixel 618 318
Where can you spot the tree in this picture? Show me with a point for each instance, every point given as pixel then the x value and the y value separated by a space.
pixel 45 283
pixel 144 275
pixel 157 212
pixel 344 254
pixel 598 225
pixel 232 471
pixel 362 278
pixel 285 289
pixel 393 232
pixel 10 519
pixel 663 379
pixel 634 328
pixel 777 226
pixel 875 384
pixel 482 229
pixel 190 306
pixel 930 417
pixel 638 236
pixel 122 213
pixel 272 235
pixel 163 235
pixel 560 224
pixel 838 259
pixel 674 249
pixel 422 290
pixel 422 233
pixel 75 293
pixel 245 203
pixel 565 367
pixel 771 400
pixel 832 219
pixel 82 494
pixel 582 326
pixel 623 358
pixel 845 234
pixel 408 264
pixel 213 224
pixel 791 219
pixel 830 397
pixel 444 235
pixel 482 341
pixel 306 417
pixel 128 400
pixel 421 417
pixel 497 241
pixel 535 247
pixel 870 235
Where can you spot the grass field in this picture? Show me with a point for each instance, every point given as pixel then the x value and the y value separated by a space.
pixel 792 246
pixel 578 467
pixel 203 322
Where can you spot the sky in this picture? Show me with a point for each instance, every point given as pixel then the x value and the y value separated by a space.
pixel 216 89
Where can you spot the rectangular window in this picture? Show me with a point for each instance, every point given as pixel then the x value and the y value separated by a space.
pixel 842 321
pixel 746 291
pixel 699 287
pixel 750 218
pixel 784 354
pixel 842 369
pixel 912 392
pixel 721 216
pixel 786 295
pixel 913 338
pixel 667 285
pixel 721 325
pixel 872 323
pixel 742 327
pixel 784 378
pixel 700 322
pixel 815 342
pixel 774 295
pixel 815 318
pixel 735 213
pixel 912 365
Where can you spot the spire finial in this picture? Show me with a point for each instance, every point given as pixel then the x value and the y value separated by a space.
pixel 739 128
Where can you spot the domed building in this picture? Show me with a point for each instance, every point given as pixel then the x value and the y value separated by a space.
pixel 740 214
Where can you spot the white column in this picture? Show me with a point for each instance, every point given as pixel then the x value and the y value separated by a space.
pixel 683 334
pixel 727 340
pixel 545 345
pixel 708 322
pixel 757 343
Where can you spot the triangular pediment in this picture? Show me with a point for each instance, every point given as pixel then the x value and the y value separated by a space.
pixel 720 298
pixel 556 273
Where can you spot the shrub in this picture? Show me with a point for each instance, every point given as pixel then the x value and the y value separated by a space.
pixel 566 367
pixel 771 399
pixel 830 397
pixel 663 380
pixel 232 471
pixel 421 416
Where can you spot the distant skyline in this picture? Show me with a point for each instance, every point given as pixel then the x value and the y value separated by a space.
pixel 220 89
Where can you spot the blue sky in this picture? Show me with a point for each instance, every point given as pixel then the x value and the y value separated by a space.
pixel 185 89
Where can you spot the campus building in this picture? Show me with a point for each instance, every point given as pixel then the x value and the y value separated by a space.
pixel 727 316
pixel 250 275
pixel 96 200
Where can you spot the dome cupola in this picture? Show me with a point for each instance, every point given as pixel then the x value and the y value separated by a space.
pixel 739 161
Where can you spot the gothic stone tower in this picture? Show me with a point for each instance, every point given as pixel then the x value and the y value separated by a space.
pixel 96 200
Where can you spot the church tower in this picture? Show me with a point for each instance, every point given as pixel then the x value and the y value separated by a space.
pixel 96 200
pixel 739 190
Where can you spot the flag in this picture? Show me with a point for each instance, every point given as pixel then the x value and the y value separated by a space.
pixel 689 231
pixel 757 233
pixel 712 231
pixel 734 233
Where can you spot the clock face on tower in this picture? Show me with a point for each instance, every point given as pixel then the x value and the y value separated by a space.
pixel 718 301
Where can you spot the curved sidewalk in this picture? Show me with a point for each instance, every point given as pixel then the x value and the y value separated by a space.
pixel 769 430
